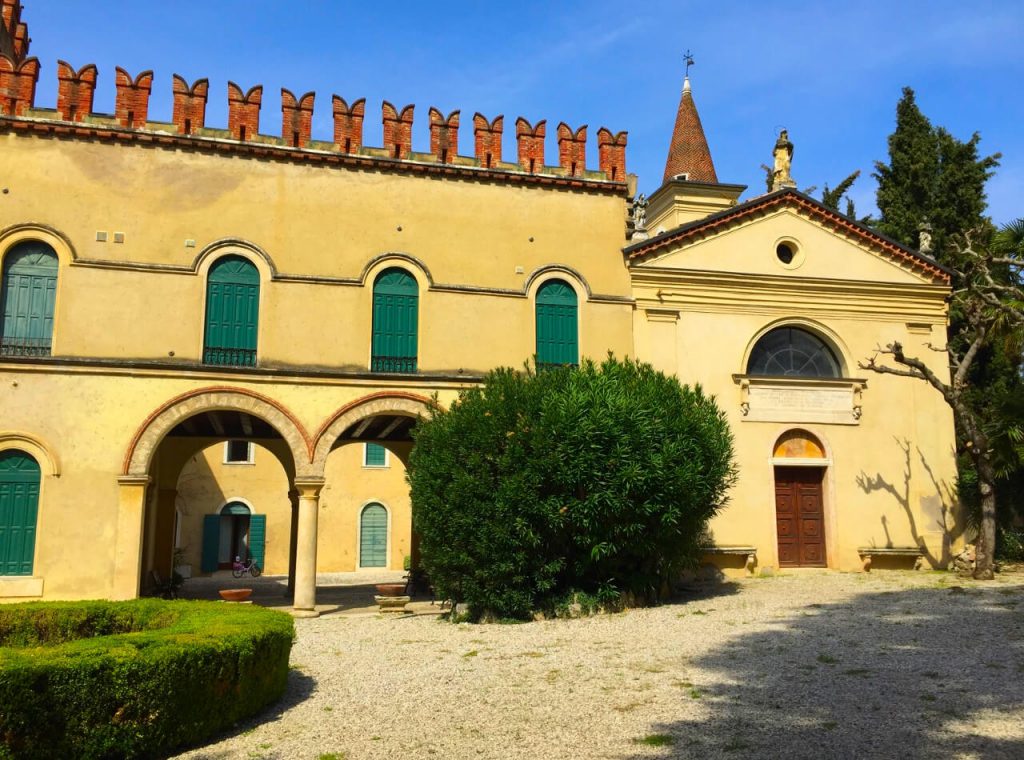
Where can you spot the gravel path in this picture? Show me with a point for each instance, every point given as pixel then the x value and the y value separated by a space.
pixel 808 665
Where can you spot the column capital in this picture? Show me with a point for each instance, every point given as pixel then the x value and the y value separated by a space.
pixel 308 487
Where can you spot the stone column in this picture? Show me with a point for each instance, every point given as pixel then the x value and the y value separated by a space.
pixel 293 539
pixel 304 603
pixel 131 508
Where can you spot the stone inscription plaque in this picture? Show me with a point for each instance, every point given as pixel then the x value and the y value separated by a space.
pixel 793 403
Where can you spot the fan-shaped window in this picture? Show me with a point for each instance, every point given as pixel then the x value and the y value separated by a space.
pixel 557 324
pixel 27 295
pixel 232 313
pixel 395 322
pixel 792 352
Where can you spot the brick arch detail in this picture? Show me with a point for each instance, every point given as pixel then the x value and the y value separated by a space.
pixel 155 428
pixel 385 402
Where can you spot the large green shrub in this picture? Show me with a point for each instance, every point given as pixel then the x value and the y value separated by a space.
pixel 133 679
pixel 599 479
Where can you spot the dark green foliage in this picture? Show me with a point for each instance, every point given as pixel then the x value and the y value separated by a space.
pixel 930 175
pixel 598 479
pixel 832 198
pixel 133 679
pixel 1010 545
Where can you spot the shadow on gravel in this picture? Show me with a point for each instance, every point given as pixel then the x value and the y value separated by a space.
pixel 911 673
pixel 300 687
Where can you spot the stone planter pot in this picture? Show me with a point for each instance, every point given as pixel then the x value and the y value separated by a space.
pixel 390 589
pixel 235 594
pixel 393 605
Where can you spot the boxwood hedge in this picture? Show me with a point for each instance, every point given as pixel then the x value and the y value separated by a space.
pixel 133 679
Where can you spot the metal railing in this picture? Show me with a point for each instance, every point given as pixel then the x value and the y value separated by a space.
pixel 397 364
pixel 24 346
pixel 230 357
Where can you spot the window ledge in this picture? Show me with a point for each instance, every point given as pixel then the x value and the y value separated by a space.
pixel 13 586
pixel 835 401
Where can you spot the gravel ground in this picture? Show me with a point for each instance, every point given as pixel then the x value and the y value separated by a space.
pixel 806 665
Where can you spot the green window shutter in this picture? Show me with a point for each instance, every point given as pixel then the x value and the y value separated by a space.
pixel 395 322
pixel 19 507
pixel 232 313
pixel 258 538
pixel 373 536
pixel 29 291
pixel 557 324
pixel 211 542
pixel 376 455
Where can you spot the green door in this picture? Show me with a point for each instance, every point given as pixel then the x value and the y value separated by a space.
pixel 557 324
pixel 27 299
pixel 395 315
pixel 211 543
pixel 258 539
pixel 19 505
pixel 232 313
pixel 373 536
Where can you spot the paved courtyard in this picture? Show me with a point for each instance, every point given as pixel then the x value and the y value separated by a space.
pixel 805 665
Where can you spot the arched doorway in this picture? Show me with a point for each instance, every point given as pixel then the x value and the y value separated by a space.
pixel 800 464
pixel 233 532
pixel 373 536
pixel 19 506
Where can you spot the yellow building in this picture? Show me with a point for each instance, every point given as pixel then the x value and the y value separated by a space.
pixel 217 341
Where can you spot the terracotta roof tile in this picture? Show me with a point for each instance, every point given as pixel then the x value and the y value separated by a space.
pixel 688 152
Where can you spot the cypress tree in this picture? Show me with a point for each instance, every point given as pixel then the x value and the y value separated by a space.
pixel 930 175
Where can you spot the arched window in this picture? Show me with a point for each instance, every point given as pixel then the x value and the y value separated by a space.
pixel 29 290
pixel 232 313
pixel 792 352
pixel 395 322
pixel 19 505
pixel 557 324
pixel 373 536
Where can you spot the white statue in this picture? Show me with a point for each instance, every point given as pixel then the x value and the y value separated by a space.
pixel 924 231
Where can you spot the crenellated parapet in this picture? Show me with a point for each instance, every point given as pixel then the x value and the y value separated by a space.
pixel 244 111
pixel 14 40
pixel 348 124
pixel 17 84
pixel 444 135
pixel 572 149
pixel 189 104
pixel 131 108
pixel 75 90
pixel 397 130
pixel 297 118
pixel 76 93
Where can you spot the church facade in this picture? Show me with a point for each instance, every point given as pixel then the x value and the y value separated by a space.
pixel 215 341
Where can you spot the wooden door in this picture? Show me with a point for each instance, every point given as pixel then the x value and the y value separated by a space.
pixel 800 516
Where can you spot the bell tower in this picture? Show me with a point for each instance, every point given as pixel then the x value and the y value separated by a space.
pixel 690 189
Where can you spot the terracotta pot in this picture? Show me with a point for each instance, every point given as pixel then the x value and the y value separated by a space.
pixel 235 594
pixel 391 589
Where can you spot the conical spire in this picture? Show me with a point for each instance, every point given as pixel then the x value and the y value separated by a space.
pixel 688 152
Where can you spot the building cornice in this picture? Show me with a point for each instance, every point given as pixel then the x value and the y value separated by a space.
pixel 269 151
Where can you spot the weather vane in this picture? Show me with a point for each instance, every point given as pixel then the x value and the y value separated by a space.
pixel 688 58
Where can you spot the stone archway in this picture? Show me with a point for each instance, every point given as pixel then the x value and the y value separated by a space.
pixel 385 403
pixel 149 435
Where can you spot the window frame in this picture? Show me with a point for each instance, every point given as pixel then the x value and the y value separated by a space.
pixel 251 453
pixel 366 460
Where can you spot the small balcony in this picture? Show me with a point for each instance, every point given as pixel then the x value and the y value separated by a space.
pixel 394 364
pixel 229 357
pixel 12 346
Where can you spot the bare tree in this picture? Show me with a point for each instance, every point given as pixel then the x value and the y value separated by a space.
pixel 989 298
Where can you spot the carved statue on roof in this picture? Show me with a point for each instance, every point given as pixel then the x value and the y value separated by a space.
pixel 783 154
pixel 640 218
pixel 924 231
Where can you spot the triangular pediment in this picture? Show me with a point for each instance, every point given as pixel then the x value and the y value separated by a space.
pixel 824 244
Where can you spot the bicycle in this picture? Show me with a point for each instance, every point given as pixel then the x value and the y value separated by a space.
pixel 239 568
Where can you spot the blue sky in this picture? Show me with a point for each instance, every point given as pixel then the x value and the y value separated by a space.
pixel 829 72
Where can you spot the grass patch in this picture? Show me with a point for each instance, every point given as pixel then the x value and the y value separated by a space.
pixel 827 659
pixel 657 740
pixel 857 672
pixel 471 653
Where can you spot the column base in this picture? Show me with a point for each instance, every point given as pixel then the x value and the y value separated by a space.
pixel 296 613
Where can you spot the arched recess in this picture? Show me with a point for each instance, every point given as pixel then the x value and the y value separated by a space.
pixel 386 403
pixel 817 330
pixel 30 444
pixel 57 240
pixel 374 536
pixel 804 520
pixel 149 435
pixel 28 298
pixel 237 247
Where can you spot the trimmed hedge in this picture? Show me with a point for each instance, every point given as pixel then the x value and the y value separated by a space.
pixel 133 679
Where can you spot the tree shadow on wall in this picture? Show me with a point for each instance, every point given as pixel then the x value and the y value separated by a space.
pixel 927 672
pixel 946 520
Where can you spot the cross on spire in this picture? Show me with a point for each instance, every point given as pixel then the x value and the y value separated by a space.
pixel 688 60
